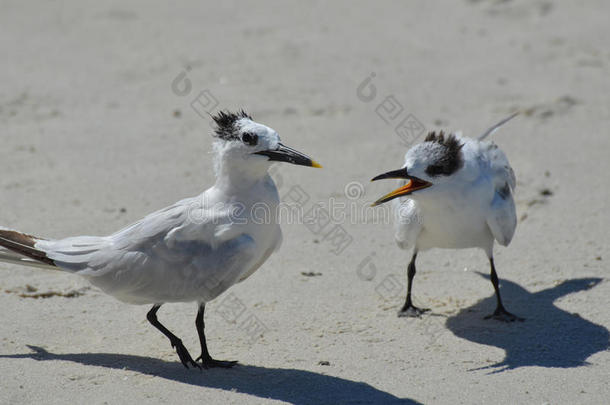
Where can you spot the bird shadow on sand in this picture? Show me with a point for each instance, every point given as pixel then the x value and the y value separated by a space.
pixel 284 384
pixel 549 336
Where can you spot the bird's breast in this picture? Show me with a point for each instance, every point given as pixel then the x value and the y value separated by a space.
pixel 455 221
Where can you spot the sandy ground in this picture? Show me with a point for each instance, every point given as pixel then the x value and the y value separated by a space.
pixel 98 129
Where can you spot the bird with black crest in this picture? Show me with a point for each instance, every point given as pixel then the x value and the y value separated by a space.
pixel 191 251
pixel 455 193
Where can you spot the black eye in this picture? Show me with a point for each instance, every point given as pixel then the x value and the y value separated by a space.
pixel 435 170
pixel 250 138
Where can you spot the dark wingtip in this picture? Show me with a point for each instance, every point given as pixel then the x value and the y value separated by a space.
pixel 24 245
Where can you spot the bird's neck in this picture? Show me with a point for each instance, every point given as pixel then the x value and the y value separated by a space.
pixel 240 176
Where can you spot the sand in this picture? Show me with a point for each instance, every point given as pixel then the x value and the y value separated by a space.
pixel 100 113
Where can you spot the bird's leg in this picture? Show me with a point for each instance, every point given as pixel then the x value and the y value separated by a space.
pixel 206 359
pixel 410 310
pixel 500 314
pixel 184 355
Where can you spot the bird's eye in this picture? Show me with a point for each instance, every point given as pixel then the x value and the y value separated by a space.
pixel 250 138
pixel 435 170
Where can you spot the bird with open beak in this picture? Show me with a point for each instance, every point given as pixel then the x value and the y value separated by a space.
pixel 455 192
pixel 191 251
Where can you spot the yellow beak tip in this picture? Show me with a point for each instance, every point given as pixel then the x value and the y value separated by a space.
pixel 316 164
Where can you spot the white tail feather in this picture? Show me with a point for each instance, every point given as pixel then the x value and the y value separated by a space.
pixel 495 127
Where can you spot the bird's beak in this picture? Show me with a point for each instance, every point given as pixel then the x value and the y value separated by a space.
pixel 285 154
pixel 414 184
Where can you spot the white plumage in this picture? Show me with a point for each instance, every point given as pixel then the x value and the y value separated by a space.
pixel 471 210
pixel 192 250
pixel 455 192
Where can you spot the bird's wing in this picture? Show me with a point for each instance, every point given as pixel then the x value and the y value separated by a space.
pixel 186 271
pixel 166 235
pixel 181 253
pixel 502 216
pixel 499 166
pixel 91 253
pixel 407 223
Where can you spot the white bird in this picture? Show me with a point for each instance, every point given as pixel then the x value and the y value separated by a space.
pixel 192 250
pixel 460 195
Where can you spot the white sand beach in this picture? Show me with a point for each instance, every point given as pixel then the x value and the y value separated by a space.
pixel 103 117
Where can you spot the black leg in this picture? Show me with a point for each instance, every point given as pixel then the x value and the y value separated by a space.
pixel 184 355
pixel 500 314
pixel 206 359
pixel 410 310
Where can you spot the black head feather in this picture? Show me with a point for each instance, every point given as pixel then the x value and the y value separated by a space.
pixel 225 124
pixel 451 159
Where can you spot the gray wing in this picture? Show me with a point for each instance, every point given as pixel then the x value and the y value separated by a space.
pixel 502 216
pixel 173 255
pixel 186 271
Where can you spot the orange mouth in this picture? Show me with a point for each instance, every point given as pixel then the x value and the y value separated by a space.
pixel 414 184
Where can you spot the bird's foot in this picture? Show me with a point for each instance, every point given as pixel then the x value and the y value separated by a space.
pixel 209 362
pixel 185 356
pixel 411 311
pixel 500 314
